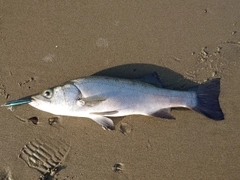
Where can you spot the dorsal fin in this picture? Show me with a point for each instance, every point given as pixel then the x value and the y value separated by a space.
pixel 152 79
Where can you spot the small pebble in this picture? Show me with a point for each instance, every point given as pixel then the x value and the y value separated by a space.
pixel 53 120
pixel 125 128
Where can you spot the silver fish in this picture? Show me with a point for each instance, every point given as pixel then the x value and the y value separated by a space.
pixel 99 98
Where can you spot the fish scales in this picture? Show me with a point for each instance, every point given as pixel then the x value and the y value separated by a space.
pixel 131 96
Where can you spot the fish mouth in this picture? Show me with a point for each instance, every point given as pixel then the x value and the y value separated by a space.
pixel 18 102
pixel 35 101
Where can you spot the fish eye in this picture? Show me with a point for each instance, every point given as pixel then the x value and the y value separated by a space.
pixel 47 93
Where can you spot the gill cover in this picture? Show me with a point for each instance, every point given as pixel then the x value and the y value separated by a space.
pixel 71 94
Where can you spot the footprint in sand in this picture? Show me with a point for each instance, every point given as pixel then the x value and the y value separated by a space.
pixel 6 174
pixel 46 157
pixel 102 43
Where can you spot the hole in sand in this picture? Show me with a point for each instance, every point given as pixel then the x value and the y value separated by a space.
pixel 34 120
pixel 118 167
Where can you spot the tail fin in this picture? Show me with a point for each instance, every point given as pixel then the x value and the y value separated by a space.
pixel 207 99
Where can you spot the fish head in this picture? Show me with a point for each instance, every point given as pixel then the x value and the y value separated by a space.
pixel 57 100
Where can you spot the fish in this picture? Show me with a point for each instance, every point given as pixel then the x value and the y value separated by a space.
pixel 101 97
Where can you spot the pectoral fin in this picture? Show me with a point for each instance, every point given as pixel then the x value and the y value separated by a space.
pixel 103 121
pixel 163 113
pixel 105 113
pixel 91 101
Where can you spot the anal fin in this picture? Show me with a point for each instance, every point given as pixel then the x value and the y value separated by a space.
pixel 163 113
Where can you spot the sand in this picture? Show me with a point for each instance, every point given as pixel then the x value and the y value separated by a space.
pixel 46 43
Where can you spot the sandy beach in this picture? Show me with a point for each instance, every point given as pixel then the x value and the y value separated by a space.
pixel 46 43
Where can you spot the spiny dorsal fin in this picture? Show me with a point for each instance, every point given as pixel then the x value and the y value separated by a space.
pixel 152 79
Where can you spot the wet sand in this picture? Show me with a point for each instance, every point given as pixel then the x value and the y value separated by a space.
pixel 44 44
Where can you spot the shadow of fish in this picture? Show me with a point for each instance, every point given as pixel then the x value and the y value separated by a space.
pixel 99 98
